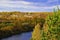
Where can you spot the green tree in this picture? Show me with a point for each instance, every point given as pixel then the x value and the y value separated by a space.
pixel 54 26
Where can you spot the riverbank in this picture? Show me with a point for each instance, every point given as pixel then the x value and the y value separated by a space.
pixel 22 36
pixel 8 33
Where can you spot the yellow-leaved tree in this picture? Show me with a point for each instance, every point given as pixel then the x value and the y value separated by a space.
pixel 36 33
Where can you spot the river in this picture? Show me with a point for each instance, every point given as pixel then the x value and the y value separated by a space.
pixel 23 36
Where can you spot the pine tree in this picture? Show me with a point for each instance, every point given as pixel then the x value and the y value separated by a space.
pixel 53 24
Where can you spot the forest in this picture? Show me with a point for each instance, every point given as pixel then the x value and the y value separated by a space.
pixel 12 23
pixel 44 25
pixel 50 29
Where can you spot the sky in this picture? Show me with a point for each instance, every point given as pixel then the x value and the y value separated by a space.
pixel 29 5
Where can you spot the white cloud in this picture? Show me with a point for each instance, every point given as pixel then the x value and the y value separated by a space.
pixel 15 4
pixel 26 5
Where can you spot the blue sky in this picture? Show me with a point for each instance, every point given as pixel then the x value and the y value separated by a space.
pixel 29 5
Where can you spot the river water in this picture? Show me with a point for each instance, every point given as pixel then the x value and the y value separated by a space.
pixel 23 36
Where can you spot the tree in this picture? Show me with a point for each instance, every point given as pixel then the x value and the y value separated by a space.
pixel 54 26
pixel 36 33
